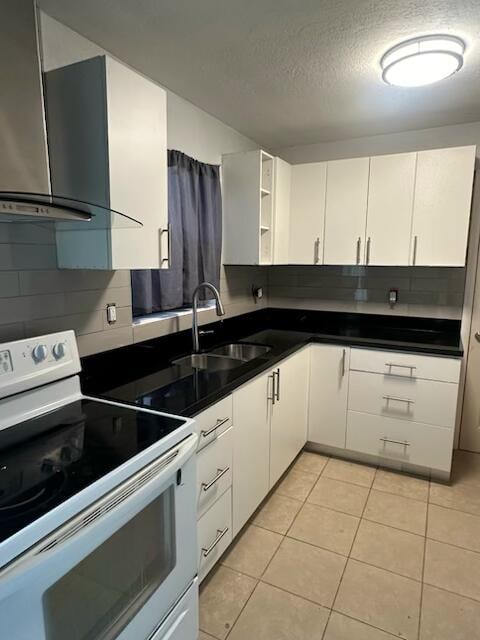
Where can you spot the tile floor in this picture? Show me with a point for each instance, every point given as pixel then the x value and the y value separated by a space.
pixel 344 551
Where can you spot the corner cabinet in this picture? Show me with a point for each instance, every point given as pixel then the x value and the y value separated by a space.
pixel 256 205
pixel 107 131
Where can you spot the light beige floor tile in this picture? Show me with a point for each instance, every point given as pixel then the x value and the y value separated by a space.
pixel 308 462
pixel 391 549
pixel 380 598
pixel 349 472
pixel 325 528
pixel 222 599
pixel 396 511
pixel 252 551
pixel 446 616
pixel 466 467
pixel 296 484
pixel 453 569
pixel 463 497
pixel 205 636
pixel 277 513
pixel 273 614
pixel 307 571
pixel 342 496
pixel 401 485
pixel 342 628
pixel 454 527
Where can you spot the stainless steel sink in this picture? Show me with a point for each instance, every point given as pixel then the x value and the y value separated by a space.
pixel 241 351
pixel 207 362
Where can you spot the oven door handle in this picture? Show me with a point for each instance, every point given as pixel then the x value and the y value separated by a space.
pixel 115 502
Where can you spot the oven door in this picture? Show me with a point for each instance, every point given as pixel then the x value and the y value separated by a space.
pixel 116 569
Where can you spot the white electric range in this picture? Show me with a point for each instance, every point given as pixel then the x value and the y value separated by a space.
pixel 97 507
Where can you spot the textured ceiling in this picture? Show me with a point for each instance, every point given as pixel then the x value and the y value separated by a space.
pixel 288 72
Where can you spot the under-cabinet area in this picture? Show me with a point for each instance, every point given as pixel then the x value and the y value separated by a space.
pixel 387 408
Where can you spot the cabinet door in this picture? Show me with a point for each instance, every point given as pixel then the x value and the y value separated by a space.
pixel 251 448
pixel 441 210
pixel 289 413
pixel 327 413
pixel 390 207
pixel 282 176
pixel 307 213
pixel 346 211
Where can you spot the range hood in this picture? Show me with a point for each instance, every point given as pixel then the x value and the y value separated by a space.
pixel 25 183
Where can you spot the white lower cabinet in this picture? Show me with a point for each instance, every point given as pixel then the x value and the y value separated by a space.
pixel 327 411
pixel 214 533
pixel 214 471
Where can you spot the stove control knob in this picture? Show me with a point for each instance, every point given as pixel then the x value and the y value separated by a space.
pixel 39 352
pixel 59 350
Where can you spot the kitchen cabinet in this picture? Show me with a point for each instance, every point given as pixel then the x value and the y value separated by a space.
pixel 390 207
pixel 251 447
pixel 107 134
pixel 288 427
pixel 441 209
pixel 307 212
pixel 327 413
pixel 256 206
pixel 346 211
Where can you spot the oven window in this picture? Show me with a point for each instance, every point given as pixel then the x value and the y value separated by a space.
pixel 101 594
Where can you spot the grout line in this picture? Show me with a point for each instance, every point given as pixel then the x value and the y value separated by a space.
pixel 367 624
pixel 423 569
pixel 453 593
pixel 349 555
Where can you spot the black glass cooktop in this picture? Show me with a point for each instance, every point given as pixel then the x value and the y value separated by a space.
pixel 46 460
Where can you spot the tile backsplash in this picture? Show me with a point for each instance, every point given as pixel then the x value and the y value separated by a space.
pixel 37 298
pixel 422 291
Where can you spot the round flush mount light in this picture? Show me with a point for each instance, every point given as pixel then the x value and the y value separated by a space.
pixel 422 61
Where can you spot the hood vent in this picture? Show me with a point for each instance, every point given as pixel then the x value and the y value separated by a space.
pixel 25 184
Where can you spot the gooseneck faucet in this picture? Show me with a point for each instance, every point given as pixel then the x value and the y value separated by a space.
pixel 218 306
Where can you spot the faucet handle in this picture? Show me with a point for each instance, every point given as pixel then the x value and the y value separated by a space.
pixel 206 332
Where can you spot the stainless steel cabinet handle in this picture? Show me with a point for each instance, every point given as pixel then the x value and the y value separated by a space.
pixel 344 357
pixel 369 241
pixel 273 396
pixel 398 399
pixel 208 550
pixel 359 244
pixel 316 251
pixel 168 231
pixel 278 385
pixel 220 473
pixel 402 366
pixel 414 257
pixel 477 336
pixel 220 422
pixel 403 443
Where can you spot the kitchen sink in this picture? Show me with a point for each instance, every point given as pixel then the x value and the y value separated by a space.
pixel 241 351
pixel 207 362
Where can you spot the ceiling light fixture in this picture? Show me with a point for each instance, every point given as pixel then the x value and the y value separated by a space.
pixel 423 60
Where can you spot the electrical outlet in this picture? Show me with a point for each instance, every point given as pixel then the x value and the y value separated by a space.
pixel 393 297
pixel 111 313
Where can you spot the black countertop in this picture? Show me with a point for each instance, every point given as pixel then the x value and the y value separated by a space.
pixel 141 374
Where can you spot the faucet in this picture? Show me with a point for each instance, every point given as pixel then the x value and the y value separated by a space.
pixel 218 306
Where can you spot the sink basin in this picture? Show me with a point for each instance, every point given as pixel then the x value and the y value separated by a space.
pixel 241 351
pixel 207 362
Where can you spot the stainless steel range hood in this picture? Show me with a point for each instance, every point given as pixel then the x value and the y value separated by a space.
pixel 25 185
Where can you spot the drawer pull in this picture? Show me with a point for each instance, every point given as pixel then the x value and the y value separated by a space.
pixel 344 356
pixel 220 422
pixel 402 366
pixel 403 443
pixel 208 550
pixel 398 399
pixel 220 472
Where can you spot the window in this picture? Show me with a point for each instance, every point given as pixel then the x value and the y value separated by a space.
pixel 195 217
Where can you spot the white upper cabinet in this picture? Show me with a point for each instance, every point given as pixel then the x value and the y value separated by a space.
pixel 307 213
pixel 108 140
pixel 346 211
pixel 390 206
pixel 441 210
pixel 283 180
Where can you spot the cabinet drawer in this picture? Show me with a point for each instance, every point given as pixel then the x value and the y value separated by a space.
pixel 392 439
pixel 214 533
pixel 213 421
pixel 214 470
pixel 407 365
pixel 413 399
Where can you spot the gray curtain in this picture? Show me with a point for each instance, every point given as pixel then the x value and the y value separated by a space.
pixel 195 217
